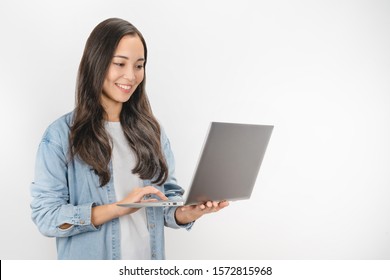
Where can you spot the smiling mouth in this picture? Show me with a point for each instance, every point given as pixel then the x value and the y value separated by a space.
pixel 125 87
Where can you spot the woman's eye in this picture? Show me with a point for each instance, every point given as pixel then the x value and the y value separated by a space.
pixel 140 66
pixel 119 64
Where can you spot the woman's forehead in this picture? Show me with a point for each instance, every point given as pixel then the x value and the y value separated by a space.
pixel 130 47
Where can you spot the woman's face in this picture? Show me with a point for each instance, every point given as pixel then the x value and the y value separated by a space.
pixel 125 72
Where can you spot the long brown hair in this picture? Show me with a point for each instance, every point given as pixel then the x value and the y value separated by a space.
pixel 88 137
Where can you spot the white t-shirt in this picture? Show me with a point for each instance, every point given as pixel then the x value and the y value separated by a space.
pixel 135 240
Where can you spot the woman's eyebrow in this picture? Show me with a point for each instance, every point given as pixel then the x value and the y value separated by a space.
pixel 121 56
pixel 125 57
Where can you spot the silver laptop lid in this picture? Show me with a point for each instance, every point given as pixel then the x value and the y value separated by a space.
pixel 229 163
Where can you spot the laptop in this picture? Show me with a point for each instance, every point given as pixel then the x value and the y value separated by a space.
pixel 228 165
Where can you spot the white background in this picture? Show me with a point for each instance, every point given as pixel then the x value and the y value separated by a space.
pixel 317 70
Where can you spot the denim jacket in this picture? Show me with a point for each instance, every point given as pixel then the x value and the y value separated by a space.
pixel 64 191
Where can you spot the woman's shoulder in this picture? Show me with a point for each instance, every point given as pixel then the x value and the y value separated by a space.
pixel 58 131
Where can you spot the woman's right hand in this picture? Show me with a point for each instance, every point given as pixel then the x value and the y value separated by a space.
pixel 137 195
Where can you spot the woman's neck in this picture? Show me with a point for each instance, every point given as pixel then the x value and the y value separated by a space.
pixel 113 110
pixel 112 118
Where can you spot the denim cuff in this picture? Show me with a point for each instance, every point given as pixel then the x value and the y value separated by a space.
pixel 78 216
pixel 171 222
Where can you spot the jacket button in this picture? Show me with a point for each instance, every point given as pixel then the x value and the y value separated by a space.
pixel 82 222
pixel 151 225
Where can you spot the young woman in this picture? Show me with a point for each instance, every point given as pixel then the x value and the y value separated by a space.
pixel 109 150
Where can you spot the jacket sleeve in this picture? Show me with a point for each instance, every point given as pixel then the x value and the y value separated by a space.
pixel 171 189
pixel 50 195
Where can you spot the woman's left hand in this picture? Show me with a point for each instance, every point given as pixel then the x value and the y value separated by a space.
pixel 187 214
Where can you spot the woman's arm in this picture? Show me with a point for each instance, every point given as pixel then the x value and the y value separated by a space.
pixel 50 204
pixel 104 213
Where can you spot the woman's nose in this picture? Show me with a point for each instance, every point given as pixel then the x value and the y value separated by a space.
pixel 129 75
